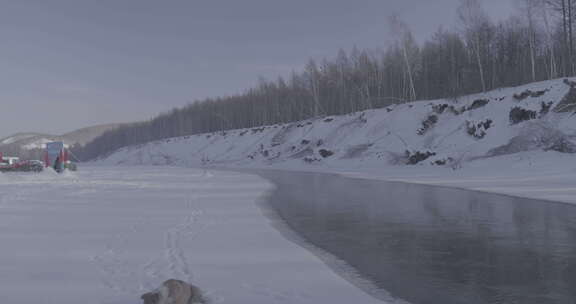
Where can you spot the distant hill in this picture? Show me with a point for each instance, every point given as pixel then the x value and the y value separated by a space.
pixel 27 145
pixel 86 135
pixel 19 137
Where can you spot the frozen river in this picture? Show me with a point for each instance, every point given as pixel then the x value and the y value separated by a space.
pixel 107 235
pixel 428 244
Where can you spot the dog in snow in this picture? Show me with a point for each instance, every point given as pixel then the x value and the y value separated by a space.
pixel 174 292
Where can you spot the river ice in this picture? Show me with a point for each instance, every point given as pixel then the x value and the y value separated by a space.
pixel 107 235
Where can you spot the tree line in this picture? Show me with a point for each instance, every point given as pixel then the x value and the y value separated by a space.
pixel 534 44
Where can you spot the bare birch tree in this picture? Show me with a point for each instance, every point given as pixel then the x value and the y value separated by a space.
pixel 473 18
pixel 403 38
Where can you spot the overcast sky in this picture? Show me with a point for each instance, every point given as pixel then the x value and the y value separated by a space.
pixel 66 64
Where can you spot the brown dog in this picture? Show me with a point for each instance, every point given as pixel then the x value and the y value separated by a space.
pixel 174 292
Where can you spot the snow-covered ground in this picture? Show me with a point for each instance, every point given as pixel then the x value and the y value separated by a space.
pixel 541 175
pixel 106 235
pixel 518 141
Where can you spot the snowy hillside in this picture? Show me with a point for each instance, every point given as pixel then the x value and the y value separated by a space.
pixel 535 117
pixel 18 137
pixel 30 141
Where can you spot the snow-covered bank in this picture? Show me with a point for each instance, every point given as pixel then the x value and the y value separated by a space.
pixel 107 235
pixel 547 176
pixel 519 141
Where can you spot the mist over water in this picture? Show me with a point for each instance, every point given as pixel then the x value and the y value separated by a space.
pixel 428 244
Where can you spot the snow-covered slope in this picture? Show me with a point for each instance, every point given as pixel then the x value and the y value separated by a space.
pixel 30 141
pixel 533 117
pixel 19 137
